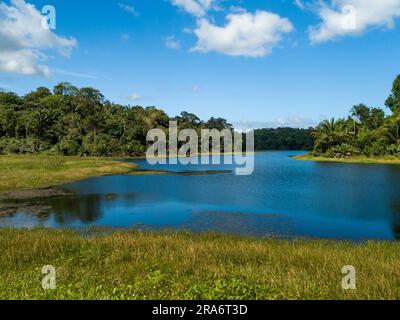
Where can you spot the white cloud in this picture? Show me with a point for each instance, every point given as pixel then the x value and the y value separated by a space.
pixel 23 39
pixel 172 43
pixel 353 17
pixel 300 4
pixel 197 8
pixel 135 97
pixel 245 34
pixel 128 8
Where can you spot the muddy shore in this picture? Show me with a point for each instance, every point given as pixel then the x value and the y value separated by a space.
pixel 12 202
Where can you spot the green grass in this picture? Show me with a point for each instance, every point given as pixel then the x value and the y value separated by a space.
pixel 363 159
pixel 19 172
pixel 166 265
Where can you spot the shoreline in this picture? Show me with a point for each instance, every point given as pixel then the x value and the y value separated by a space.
pixel 35 172
pixel 42 171
pixel 43 175
pixel 354 160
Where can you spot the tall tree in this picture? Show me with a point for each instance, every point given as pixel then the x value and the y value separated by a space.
pixel 393 101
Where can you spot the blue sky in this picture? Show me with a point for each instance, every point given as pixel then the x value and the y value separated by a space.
pixel 273 62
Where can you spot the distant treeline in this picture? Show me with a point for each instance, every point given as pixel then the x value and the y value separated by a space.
pixel 80 121
pixel 366 131
pixel 284 139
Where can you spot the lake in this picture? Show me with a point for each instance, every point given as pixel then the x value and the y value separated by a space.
pixel 283 198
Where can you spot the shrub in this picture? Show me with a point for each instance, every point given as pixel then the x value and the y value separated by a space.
pixel 71 144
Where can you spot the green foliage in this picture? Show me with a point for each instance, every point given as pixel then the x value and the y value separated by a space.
pixel 283 139
pixel 73 121
pixel 71 143
pixel 393 101
pixel 345 150
pixel 27 145
pixel 367 132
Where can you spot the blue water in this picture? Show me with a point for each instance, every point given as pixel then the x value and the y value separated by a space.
pixel 282 198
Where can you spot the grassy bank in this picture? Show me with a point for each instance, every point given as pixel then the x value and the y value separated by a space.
pixel 387 160
pixel 141 265
pixel 19 172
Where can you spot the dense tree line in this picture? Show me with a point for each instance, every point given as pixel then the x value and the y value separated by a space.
pixel 79 121
pixel 365 132
pixel 283 139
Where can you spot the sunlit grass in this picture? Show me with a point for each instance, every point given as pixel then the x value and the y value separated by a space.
pixel 363 159
pixel 20 172
pixel 166 265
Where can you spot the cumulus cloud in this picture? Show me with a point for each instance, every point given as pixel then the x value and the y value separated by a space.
pixel 172 43
pixel 197 8
pixel 353 17
pixel 245 34
pixel 24 40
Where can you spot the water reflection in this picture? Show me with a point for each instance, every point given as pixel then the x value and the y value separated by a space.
pixel 63 210
pixel 85 209
pixel 284 197
pixel 392 175
pixel 396 219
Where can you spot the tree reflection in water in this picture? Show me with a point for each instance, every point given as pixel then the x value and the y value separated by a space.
pixel 85 209
pixel 396 219
pixel 65 210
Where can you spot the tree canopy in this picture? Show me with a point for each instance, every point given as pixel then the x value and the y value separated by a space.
pixel 366 131
pixel 80 121
pixel 283 139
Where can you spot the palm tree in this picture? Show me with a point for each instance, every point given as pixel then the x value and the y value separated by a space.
pixel 391 129
pixel 361 112
pixel 330 133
